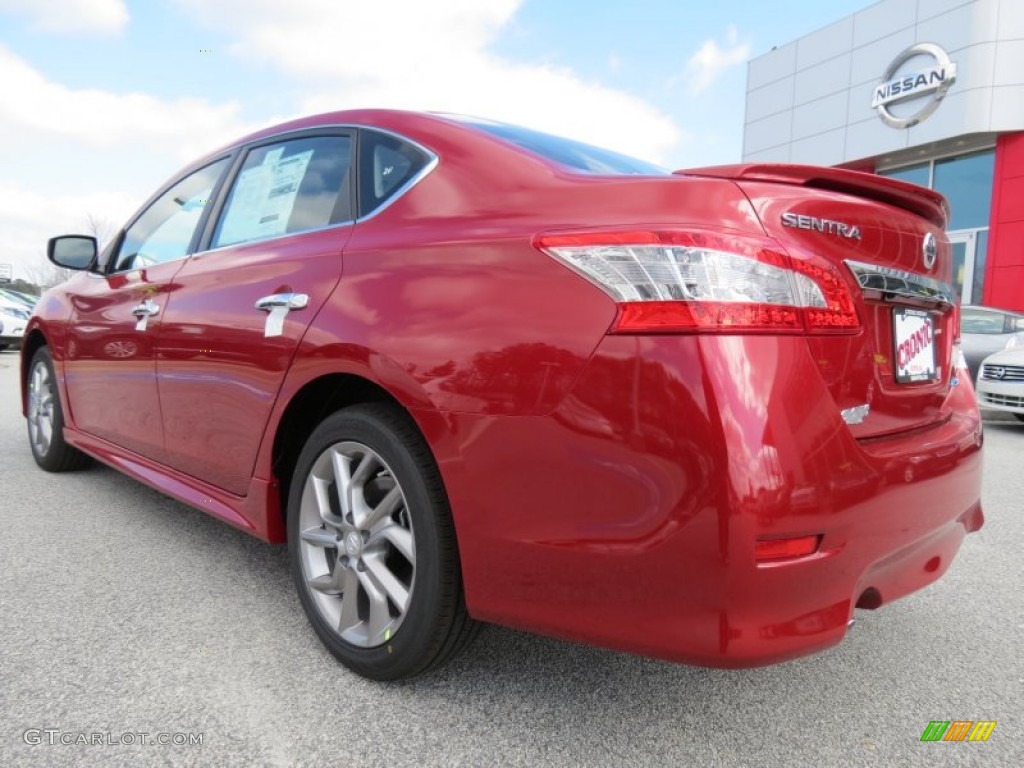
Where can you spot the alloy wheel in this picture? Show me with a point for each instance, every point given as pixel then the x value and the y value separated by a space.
pixel 40 408
pixel 357 546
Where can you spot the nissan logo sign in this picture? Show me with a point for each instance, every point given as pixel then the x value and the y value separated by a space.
pixel 929 83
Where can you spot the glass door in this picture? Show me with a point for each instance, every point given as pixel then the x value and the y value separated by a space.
pixel 963 264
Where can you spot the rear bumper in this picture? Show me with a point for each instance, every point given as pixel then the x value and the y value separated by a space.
pixel 628 517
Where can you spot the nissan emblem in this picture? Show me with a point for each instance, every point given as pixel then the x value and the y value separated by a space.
pixel 929 250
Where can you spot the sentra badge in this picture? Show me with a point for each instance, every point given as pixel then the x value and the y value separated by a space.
pixel 828 226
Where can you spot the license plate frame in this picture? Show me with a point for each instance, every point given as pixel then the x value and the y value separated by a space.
pixel 913 335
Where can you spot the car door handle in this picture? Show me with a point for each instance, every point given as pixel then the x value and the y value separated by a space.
pixel 146 309
pixel 286 300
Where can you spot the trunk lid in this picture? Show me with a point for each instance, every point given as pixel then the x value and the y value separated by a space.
pixel 873 231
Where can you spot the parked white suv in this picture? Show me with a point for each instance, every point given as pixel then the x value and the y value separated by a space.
pixel 12 326
pixel 1000 383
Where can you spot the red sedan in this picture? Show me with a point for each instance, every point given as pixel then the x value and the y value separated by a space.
pixel 471 372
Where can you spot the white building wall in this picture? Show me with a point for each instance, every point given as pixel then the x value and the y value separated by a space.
pixel 809 101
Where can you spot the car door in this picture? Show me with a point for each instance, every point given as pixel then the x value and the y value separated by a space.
pixel 116 315
pixel 240 307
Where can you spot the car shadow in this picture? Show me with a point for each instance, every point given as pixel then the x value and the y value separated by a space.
pixel 1002 422
pixel 503 669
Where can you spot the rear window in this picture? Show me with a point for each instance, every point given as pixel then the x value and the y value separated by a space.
pixel 572 154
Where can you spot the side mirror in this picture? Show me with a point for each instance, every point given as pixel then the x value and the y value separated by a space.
pixel 72 251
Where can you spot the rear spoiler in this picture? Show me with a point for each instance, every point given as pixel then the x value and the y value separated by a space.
pixel 926 203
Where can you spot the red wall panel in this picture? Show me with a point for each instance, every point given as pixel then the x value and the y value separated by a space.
pixel 1004 272
pixel 1011 254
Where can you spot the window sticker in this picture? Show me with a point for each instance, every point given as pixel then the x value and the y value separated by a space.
pixel 264 197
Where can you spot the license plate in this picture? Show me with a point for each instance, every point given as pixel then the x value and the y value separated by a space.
pixel 914 336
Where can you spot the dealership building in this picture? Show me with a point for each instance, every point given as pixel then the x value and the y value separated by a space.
pixel 930 91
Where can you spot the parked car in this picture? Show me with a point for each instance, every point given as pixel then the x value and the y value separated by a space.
pixel 14 306
pixel 11 330
pixel 986 330
pixel 13 319
pixel 19 298
pixel 472 372
pixel 1000 384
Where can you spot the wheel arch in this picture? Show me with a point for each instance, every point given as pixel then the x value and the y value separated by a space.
pixel 33 341
pixel 311 404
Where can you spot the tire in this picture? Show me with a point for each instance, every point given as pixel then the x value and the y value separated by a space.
pixel 378 577
pixel 46 419
pixel 1019 416
pixel 3 347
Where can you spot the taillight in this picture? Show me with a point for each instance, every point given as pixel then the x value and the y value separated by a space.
pixel 694 281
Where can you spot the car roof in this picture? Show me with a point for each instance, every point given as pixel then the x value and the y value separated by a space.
pixel 385 119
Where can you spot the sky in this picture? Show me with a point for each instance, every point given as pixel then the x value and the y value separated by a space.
pixel 101 101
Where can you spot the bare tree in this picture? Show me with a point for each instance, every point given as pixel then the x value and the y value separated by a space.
pixel 45 274
pixel 100 228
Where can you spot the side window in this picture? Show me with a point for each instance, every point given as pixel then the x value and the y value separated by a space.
pixel 164 230
pixel 288 187
pixel 386 163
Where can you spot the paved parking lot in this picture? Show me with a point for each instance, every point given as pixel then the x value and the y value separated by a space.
pixel 124 612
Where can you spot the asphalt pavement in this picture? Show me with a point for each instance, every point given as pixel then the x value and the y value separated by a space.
pixel 125 613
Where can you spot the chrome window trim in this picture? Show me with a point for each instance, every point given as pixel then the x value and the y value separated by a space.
pixel 898 283
pixel 244 243
pixel 270 138
pixel 247 146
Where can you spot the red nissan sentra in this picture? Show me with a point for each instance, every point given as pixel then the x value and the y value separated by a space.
pixel 471 372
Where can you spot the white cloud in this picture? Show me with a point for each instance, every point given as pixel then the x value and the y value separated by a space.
pixel 60 211
pixel 102 153
pixel 28 218
pixel 430 55
pixel 104 119
pixel 72 16
pixel 711 60
pixel 105 151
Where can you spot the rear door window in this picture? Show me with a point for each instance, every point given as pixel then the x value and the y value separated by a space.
pixel 286 188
